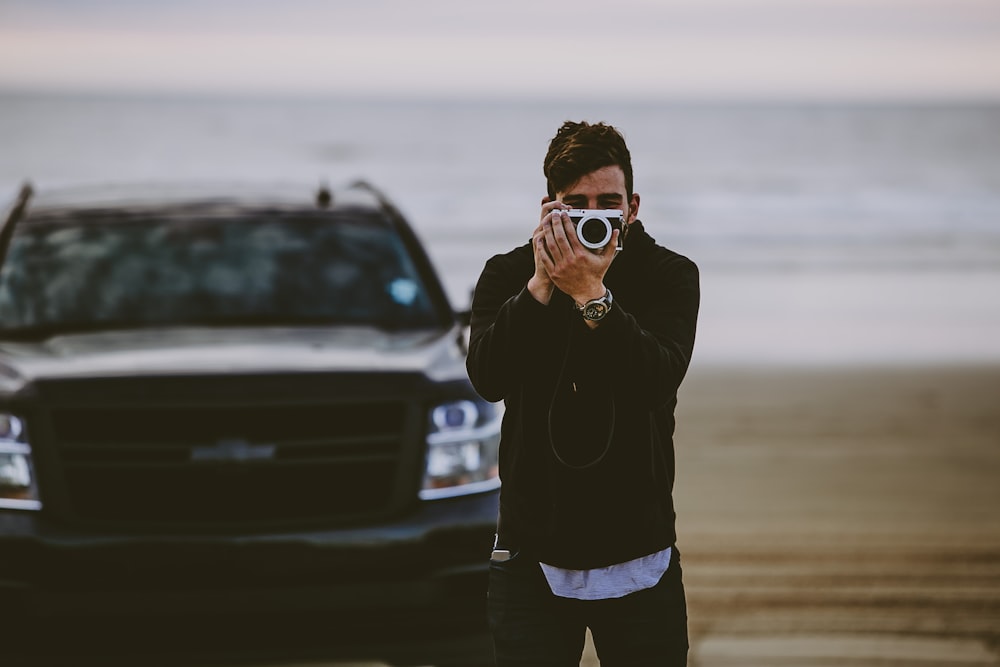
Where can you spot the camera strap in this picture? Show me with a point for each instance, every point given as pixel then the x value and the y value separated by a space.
pixel 560 380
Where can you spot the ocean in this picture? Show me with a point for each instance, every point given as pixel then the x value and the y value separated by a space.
pixel 825 234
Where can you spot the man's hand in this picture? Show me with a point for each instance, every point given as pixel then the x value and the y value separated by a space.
pixel 540 286
pixel 564 261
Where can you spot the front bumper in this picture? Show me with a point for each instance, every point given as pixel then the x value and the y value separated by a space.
pixel 432 560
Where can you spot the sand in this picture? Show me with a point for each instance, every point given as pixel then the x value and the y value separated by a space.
pixel 841 516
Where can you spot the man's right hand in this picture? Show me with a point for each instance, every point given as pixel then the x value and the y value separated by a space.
pixel 540 285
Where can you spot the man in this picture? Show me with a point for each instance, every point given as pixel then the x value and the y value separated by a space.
pixel 587 347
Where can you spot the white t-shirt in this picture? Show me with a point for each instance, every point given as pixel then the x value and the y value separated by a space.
pixel 613 581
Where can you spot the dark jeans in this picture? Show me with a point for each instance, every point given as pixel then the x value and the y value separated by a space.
pixel 532 627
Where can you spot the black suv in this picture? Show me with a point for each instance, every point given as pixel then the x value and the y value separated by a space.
pixel 237 413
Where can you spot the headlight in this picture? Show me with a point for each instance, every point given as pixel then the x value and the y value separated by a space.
pixel 18 489
pixel 462 444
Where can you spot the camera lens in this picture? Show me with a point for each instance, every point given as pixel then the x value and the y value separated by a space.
pixel 594 232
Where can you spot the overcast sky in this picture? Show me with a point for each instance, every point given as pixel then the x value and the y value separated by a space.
pixel 618 49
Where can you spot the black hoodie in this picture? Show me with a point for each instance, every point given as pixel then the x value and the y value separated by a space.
pixel 586 450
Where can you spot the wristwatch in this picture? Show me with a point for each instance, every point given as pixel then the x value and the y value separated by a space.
pixel 596 310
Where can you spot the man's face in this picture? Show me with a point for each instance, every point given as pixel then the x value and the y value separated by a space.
pixel 605 189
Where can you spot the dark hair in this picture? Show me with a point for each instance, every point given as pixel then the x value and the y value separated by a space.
pixel 581 148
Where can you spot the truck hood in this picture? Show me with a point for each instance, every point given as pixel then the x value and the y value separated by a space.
pixel 187 351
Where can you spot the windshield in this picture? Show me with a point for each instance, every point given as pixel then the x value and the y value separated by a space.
pixel 127 272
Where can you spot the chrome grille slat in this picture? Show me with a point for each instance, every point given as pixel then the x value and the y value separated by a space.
pixel 77 465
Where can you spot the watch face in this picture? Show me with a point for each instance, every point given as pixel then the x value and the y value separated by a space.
pixel 595 311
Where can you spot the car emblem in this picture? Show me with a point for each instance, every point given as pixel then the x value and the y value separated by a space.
pixel 233 451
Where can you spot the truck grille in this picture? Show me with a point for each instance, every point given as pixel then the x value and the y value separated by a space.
pixel 210 462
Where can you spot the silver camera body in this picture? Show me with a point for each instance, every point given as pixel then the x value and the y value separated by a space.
pixel 594 226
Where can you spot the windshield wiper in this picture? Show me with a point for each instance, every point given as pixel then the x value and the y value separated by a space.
pixel 43 332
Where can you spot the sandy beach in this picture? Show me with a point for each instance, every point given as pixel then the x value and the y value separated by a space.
pixel 841 516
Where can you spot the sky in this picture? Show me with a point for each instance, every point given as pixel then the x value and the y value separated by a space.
pixel 614 49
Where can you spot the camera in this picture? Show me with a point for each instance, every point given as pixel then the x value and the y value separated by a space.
pixel 594 226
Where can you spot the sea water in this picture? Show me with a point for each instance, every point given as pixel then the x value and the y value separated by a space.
pixel 824 233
